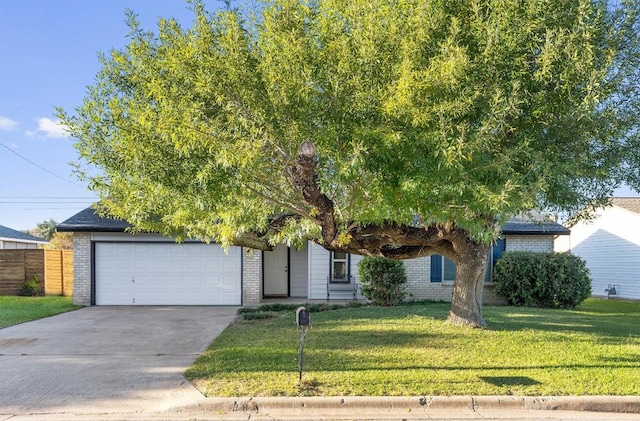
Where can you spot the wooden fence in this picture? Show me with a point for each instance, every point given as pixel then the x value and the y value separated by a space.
pixel 54 269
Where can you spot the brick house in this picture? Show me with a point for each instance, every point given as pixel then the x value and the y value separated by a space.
pixel 113 267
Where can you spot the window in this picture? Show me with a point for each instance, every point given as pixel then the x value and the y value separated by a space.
pixel 444 270
pixel 497 251
pixel 340 267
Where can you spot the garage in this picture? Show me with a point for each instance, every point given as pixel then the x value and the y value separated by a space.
pixel 159 273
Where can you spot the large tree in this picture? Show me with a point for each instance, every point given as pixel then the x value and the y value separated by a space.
pixel 385 128
pixel 45 229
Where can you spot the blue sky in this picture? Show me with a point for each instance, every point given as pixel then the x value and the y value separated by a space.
pixel 48 57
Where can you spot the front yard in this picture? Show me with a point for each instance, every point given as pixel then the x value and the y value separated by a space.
pixel 15 310
pixel 409 350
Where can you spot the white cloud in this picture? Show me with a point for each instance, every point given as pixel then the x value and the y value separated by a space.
pixel 52 128
pixel 7 123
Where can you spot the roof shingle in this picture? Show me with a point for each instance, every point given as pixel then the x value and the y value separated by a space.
pixel 11 234
pixel 88 221
pixel 628 203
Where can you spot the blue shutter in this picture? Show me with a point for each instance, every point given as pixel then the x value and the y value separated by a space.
pixel 436 268
pixel 499 248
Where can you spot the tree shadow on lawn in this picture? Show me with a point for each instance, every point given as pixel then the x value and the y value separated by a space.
pixel 502 381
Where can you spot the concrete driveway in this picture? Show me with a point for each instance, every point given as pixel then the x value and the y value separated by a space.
pixel 106 359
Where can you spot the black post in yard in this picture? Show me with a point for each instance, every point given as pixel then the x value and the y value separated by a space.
pixel 301 357
pixel 303 320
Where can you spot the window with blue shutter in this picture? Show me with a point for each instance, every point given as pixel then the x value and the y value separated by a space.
pixel 443 269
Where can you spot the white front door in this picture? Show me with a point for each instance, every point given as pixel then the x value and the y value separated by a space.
pixel 276 272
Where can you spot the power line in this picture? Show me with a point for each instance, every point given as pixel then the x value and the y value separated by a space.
pixel 48 197
pixel 43 203
pixel 39 166
pixel 41 209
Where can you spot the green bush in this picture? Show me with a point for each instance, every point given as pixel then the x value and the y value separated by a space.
pixel 32 288
pixel 382 280
pixel 547 280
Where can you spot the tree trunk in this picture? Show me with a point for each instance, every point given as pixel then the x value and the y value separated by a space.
pixel 466 300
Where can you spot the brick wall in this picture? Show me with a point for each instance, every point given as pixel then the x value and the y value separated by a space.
pixel 419 271
pixel 251 277
pixel 82 268
pixel 537 243
pixel 418 279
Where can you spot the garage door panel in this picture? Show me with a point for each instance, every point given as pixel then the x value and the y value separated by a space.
pixel 167 274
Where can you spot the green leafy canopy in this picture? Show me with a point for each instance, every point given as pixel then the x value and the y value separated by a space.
pixel 421 112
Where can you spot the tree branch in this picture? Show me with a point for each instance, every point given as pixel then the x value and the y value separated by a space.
pixel 304 178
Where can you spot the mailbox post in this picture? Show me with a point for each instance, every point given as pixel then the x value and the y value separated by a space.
pixel 303 321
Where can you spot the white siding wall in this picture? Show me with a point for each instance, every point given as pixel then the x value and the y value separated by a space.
pixel 299 278
pixel 16 245
pixel 611 247
pixel 355 259
pixel 319 264
pixel 319 259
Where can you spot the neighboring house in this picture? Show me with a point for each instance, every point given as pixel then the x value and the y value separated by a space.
pixel 610 245
pixel 11 239
pixel 112 267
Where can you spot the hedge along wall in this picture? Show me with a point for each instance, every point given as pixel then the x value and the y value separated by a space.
pixel 52 267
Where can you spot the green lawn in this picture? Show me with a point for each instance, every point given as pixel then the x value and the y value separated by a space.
pixel 410 350
pixel 14 310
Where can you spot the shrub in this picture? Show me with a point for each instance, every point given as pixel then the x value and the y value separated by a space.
pixel 382 280
pixel 266 311
pixel 32 288
pixel 548 280
pixel 258 315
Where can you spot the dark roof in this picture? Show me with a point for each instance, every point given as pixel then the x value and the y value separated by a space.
pixel 519 226
pixel 88 221
pixel 628 203
pixel 11 234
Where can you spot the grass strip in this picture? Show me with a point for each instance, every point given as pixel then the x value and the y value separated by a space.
pixel 15 310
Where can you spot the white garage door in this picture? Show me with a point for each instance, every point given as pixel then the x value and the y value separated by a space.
pixel 167 274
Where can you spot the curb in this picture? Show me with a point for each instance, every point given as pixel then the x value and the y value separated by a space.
pixel 616 404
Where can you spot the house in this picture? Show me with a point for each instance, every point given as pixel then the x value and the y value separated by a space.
pixel 11 239
pixel 610 245
pixel 113 267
